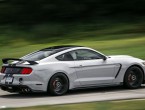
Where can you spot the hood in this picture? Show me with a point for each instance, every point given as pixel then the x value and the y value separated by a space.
pixel 125 58
pixel 120 56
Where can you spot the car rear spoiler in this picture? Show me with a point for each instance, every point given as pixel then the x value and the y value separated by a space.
pixel 5 61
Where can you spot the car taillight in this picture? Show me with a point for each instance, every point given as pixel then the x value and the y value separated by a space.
pixel 26 71
pixel 3 69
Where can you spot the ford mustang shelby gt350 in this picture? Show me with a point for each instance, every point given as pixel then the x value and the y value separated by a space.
pixel 61 68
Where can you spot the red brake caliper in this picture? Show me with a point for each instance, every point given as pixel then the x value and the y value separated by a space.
pixel 54 83
pixel 129 78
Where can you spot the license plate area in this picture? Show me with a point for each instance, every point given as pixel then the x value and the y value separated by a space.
pixel 9 79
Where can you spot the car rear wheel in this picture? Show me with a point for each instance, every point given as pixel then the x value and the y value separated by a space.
pixel 133 77
pixel 58 84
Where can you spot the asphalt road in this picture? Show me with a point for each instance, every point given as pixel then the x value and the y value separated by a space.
pixel 98 94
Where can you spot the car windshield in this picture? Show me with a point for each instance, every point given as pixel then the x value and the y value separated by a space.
pixel 39 55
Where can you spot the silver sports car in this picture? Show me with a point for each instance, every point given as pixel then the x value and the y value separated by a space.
pixel 61 68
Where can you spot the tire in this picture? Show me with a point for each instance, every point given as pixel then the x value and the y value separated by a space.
pixel 58 84
pixel 22 93
pixel 133 77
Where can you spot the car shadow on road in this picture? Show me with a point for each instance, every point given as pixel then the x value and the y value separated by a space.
pixel 70 93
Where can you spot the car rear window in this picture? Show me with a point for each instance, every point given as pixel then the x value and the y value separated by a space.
pixel 43 53
pixel 39 55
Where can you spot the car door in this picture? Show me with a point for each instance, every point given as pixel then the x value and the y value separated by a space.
pixel 92 68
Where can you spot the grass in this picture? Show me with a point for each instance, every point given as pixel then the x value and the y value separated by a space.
pixel 109 38
pixel 110 105
pixel 133 46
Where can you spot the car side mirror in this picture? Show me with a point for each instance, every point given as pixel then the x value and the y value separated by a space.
pixel 104 58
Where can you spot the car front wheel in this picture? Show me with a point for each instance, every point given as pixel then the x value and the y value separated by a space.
pixel 133 77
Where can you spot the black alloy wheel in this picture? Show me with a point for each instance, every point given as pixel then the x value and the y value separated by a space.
pixel 58 84
pixel 133 77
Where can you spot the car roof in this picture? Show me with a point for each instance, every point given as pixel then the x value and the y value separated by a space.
pixel 56 49
pixel 61 47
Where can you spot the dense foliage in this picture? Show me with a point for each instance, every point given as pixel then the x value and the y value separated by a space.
pixel 35 11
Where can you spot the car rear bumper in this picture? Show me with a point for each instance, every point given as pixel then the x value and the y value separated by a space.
pixel 16 88
pixel 22 83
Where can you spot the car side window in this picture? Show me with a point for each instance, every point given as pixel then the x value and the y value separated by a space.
pixel 85 54
pixel 65 57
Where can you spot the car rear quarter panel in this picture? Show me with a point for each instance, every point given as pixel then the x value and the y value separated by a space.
pixel 46 70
